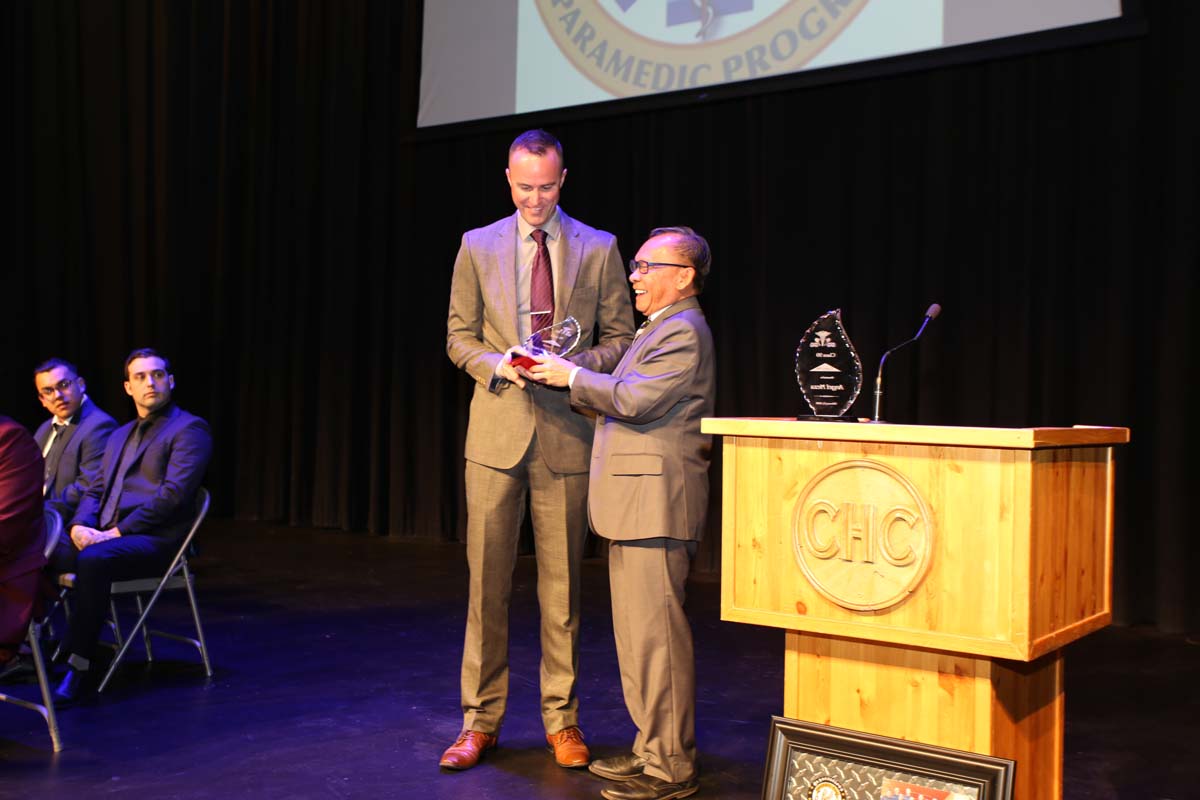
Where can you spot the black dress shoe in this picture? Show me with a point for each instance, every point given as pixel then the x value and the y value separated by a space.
pixel 76 686
pixel 646 787
pixel 618 768
pixel 19 669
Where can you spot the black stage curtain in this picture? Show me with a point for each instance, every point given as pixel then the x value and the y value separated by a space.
pixel 241 185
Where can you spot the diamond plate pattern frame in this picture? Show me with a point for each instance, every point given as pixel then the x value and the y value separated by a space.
pixel 802 756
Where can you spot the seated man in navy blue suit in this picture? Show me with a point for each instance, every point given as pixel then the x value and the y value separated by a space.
pixel 132 520
pixel 73 439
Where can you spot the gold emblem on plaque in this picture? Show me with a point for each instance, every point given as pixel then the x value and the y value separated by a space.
pixel 862 535
pixel 825 788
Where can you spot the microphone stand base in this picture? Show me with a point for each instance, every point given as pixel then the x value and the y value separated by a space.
pixel 818 418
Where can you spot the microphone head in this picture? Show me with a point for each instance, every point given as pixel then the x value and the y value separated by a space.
pixel 933 311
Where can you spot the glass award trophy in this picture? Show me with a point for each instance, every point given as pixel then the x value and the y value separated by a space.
pixel 828 369
pixel 558 339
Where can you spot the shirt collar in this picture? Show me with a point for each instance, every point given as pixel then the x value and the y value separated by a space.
pixel 553 226
pixel 154 416
pixel 658 313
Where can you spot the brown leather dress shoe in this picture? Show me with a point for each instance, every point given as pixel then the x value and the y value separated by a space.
pixel 646 787
pixel 569 749
pixel 618 768
pixel 467 749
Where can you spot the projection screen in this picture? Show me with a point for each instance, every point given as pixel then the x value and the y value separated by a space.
pixel 492 58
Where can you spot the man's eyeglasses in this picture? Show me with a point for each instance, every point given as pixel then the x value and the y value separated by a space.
pixel 645 266
pixel 61 386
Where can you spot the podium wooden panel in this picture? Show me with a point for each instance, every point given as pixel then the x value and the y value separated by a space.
pixel 928 577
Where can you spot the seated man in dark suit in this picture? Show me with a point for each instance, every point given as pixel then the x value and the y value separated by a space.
pixel 22 533
pixel 134 517
pixel 72 440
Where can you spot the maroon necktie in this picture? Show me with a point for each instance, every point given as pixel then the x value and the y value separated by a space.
pixel 541 286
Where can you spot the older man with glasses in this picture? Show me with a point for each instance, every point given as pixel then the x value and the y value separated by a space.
pixel 648 495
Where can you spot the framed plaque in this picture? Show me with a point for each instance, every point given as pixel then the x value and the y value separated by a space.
pixel 806 761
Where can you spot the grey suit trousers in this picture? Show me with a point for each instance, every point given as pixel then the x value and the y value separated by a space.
pixel 495 507
pixel 654 651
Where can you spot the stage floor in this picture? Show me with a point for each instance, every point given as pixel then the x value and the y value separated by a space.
pixel 337 659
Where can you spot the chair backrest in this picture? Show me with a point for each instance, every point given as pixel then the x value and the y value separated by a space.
pixel 54 528
pixel 202 501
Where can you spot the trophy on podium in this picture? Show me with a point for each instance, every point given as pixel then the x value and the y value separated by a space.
pixel 828 369
pixel 558 339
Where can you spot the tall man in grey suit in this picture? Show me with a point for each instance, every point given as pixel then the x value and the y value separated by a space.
pixel 648 494
pixel 73 439
pixel 511 278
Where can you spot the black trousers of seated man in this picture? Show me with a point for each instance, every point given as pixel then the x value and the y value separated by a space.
pixel 96 567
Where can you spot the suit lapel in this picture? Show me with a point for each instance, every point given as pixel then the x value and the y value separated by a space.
pixel 71 435
pixel 569 269
pixel 75 432
pixel 43 433
pixel 112 456
pixel 640 341
pixel 504 281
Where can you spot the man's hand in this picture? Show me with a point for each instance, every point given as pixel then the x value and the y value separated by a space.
pixel 104 536
pixel 82 536
pixel 551 370
pixel 506 370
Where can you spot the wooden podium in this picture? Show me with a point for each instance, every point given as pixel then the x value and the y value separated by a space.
pixel 928 577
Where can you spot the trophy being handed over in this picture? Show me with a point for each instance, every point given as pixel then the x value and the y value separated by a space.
pixel 558 339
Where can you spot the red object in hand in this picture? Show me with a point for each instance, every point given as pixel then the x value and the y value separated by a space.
pixel 525 362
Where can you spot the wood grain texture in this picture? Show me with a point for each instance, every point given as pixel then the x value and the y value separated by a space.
pixel 1019 438
pixel 1020 544
pixel 1001 708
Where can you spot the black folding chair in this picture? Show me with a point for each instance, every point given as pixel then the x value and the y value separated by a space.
pixel 177 576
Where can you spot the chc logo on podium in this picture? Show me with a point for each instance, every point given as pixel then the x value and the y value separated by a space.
pixel 862 534
pixel 634 47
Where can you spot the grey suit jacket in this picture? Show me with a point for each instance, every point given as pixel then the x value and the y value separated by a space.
pixel 482 325
pixel 79 465
pixel 649 474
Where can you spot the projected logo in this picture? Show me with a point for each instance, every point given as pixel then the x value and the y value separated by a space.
pixel 632 47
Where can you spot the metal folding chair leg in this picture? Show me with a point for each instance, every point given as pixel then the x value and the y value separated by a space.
pixel 145 628
pixel 140 625
pixel 114 621
pixel 33 637
pixel 200 645
pixel 46 709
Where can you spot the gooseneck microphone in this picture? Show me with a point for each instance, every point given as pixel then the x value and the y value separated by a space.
pixel 931 313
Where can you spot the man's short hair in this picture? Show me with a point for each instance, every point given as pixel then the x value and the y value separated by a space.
pixel 146 352
pixel 538 142
pixel 51 363
pixel 693 247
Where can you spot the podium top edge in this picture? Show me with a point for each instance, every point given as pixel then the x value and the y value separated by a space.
pixel 949 435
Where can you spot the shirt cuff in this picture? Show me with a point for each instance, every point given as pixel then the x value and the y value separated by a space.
pixel 571 377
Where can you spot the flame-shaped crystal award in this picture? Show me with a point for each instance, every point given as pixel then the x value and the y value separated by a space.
pixel 827 368
pixel 558 339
